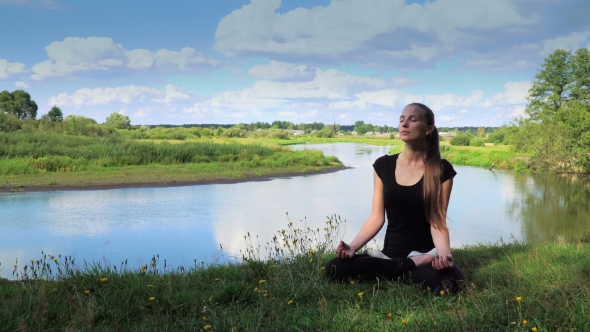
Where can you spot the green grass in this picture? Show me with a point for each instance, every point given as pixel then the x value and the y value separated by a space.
pixel 287 291
pixel 501 156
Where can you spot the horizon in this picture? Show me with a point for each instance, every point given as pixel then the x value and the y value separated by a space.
pixel 243 61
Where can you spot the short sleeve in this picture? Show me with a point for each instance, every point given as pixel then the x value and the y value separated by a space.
pixel 448 172
pixel 379 165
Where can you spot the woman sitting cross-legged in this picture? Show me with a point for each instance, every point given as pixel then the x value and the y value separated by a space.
pixel 413 189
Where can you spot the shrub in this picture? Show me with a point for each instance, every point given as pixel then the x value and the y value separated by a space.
pixel 476 142
pixel 461 140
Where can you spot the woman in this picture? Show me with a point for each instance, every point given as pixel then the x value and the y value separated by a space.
pixel 413 188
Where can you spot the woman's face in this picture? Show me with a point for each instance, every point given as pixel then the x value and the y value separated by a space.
pixel 412 124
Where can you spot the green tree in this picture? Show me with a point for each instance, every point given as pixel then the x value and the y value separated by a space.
pixel 359 123
pixel 119 121
pixel 18 103
pixel 55 114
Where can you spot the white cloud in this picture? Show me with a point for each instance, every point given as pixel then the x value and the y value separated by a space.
pixel 11 68
pixel 348 26
pixel 569 43
pixel 276 70
pixel 123 95
pixel 75 54
pixel 515 93
pixel 450 100
pixel 21 85
pixel 367 99
pixel 401 80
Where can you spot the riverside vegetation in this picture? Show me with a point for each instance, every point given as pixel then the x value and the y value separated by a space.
pixel 510 287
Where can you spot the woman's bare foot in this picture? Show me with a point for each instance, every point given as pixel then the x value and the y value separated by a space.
pixel 422 260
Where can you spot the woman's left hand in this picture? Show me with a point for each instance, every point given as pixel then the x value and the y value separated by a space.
pixel 442 262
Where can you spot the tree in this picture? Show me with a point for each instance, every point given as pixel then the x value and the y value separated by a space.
pixel 119 121
pixel 481 131
pixel 55 114
pixel 359 123
pixel 18 103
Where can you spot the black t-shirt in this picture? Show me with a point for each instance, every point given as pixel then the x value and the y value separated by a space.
pixel 407 226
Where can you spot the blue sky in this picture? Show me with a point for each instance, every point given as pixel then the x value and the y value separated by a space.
pixel 235 61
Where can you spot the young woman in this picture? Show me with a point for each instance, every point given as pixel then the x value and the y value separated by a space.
pixel 413 188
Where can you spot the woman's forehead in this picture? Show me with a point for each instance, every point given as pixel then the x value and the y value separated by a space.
pixel 412 110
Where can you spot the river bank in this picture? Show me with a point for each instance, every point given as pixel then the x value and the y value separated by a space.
pixel 510 287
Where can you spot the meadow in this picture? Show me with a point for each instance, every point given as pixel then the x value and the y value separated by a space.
pixel 510 287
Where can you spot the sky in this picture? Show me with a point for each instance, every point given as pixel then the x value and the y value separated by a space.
pixel 242 61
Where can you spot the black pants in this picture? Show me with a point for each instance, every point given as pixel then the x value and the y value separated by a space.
pixel 365 267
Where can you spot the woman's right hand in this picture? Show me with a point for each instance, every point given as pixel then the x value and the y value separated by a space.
pixel 344 251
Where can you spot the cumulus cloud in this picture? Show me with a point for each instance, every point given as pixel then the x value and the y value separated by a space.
pixel 21 85
pixel 124 95
pixel 352 26
pixel 276 70
pixel 515 93
pixel 367 99
pixel 569 43
pixel 450 100
pixel 11 68
pixel 75 54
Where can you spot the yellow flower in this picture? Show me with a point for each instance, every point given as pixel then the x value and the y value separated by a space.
pixel 262 281
pixel 210 298
pixel 15 266
pixel 323 268
pixel 290 302
pixel 311 260
pixel 216 279
pixel 227 267
pixel 352 282
pixel 32 261
pixel 360 294
pixel 152 298
pixel 291 223
pixel 273 266
pixel 104 279
pixel 442 293
pixel 256 289
pixel 389 315
pixel 404 321
pixel 518 298
pixel 150 285
pixel 524 322
pixel 534 329
pixel 55 260
pixel 204 317
pixel 86 291
pixel 206 327
pixel 265 294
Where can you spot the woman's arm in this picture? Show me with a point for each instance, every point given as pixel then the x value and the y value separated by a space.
pixel 371 226
pixel 440 237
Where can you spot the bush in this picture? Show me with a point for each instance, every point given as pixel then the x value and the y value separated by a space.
pixel 324 133
pixel 461 140
pixel 476 142
pixel 235 132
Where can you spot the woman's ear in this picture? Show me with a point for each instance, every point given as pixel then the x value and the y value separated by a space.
pixel 429 130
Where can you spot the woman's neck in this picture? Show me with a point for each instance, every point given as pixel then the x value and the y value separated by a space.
pixel 412 156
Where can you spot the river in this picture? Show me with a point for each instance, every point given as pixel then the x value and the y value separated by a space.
pixel 207 223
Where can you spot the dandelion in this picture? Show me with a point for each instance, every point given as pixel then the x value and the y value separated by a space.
pixel 311 251
pixel 204 317
pixel 265 294
pixel 15 266
pixel 210 298
pixel 360 294
pixel 86 291
pixel 256 289
pixel 291 223
pixel 323 268
pixel 104 279
pixel 150 285
pixel 524 322
pixel 152 298
pixel 311 260
pixel 262 281
pixel 534 329
pixel 389 315
pixel 518 298
pixel 290 302
pixel 55 260
pixel 273 266
pixel 32 261
pixel 217 279
pixel 404 321
pixel 207 327
pixel 442 293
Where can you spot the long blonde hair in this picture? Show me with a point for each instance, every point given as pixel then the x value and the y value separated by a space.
pixel 434 207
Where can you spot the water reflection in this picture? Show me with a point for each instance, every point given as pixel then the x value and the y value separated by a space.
pixel 552 207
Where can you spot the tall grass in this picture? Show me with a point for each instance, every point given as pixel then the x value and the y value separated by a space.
pixel 29 153
pixel 511 287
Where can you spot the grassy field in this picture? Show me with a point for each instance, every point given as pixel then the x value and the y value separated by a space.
pixel 46 160
pixel 511 287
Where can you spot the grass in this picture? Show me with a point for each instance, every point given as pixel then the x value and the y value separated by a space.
pixel 501 156
pixel 544 284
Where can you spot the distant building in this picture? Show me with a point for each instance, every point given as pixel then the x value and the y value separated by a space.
pixel 370 133
pixel 354 133
pixel 447 133
pixel 297 132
